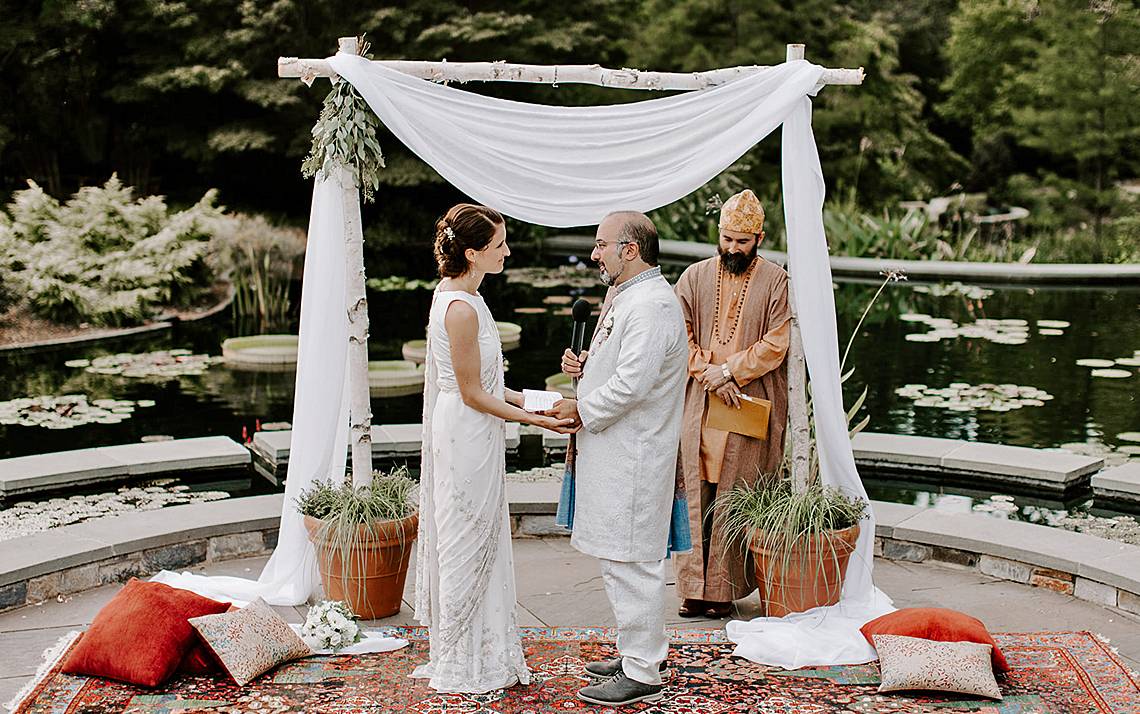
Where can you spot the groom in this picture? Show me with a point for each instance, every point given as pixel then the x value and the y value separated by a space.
pixel 629 407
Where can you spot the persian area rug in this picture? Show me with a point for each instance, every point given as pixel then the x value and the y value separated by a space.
pixel 1053 672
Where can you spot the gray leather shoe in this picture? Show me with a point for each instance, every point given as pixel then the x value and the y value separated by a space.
pixel 619 690
pixel 609 667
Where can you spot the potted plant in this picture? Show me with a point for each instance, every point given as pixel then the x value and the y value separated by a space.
pixel 363 537
pixel 800 541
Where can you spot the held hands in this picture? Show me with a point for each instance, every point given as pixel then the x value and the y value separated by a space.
pixel 572 364
pixel 564 411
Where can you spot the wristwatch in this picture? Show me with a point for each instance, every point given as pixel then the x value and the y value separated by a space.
pixel 727 374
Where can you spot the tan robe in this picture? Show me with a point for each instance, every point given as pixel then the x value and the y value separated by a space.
pixel 754 350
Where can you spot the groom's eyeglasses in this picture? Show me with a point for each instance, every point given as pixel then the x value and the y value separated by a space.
pixel 601 245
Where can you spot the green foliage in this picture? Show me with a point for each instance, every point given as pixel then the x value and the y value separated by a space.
pixel 387 498
pixel 104 257
pixel 780 518
pixel 260 259
pixel 1056 83
pixel 695 217
pixel 345 135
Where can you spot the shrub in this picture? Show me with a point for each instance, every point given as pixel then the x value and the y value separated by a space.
pixel 104 257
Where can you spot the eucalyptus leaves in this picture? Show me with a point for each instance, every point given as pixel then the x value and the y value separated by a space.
pixel 345 134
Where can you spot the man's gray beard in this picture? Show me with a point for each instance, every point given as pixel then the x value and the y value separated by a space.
pixel 737 263
pixel 607 279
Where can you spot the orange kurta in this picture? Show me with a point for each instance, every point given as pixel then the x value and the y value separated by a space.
pixel 742 321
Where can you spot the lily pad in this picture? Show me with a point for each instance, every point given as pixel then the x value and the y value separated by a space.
pixel 1053 324
pixel 1129 436
pixel 1090 362
pixel 1129 361
pixel 1111 373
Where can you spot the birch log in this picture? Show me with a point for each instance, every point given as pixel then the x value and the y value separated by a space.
pixel 309 69
pixel 799 427
pixel 356 304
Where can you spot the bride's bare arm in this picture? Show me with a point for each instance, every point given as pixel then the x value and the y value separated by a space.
pixel 462 324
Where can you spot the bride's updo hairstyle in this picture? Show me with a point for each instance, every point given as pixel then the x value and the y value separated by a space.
pixel 464 226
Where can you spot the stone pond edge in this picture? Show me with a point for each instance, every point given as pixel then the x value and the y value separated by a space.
pixel 71 559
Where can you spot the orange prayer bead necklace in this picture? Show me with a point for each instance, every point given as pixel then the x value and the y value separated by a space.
pixel 736 321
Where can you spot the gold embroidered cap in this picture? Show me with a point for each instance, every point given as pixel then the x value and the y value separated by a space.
pixel 742 213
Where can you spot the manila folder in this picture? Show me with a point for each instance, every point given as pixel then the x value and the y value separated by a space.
pixel 751 419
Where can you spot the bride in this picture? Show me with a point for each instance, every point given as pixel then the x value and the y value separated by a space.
pixel 465 587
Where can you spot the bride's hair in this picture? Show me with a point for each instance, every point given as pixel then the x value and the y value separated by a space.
pixel 464 226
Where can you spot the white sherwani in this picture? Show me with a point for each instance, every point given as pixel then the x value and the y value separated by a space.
pixel 630 400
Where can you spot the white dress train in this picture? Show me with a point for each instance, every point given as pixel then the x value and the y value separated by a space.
pixel 465 586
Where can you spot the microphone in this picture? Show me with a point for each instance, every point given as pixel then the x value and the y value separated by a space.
pixel 581 311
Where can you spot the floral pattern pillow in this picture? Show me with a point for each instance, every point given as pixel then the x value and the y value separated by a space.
pixel 250 641
pixel 910 663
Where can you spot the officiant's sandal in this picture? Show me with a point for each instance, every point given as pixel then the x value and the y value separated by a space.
pixel 609 667
pixel 691 608
pixel 619 690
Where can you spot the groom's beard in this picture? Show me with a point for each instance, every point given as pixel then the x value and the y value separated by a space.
pixel 607 278
pixel 737 263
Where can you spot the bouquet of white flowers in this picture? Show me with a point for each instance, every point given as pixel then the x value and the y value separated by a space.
pixel 331 625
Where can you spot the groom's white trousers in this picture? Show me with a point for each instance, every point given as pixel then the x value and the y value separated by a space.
pixel 637 595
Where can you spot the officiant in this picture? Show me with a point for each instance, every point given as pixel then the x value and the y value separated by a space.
pixel 737 315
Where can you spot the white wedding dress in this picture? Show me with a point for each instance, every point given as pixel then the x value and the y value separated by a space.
pixel 465 585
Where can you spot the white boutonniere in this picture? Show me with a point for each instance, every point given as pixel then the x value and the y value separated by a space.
pixel 606 328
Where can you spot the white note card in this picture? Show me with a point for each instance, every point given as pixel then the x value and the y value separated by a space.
pixel 537 400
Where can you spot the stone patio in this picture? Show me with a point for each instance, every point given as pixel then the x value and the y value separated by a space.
pixel 559 586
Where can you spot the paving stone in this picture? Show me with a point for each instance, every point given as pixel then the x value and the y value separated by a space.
pixel 1119 565
pixel 954 556
pixel 889 515
pixel 528 498
pixel 1039 546
pixel 24 474
pixel 1005 569
pixel 909 552
pixel 120 570
pixel 76 580
pixel 540 526
pixel 173 557
pixel 1129 602
pixel 13 595
pixel 234 546
pixel 1093 591
pixel 22 652
pixel 1054 469
pixel 1121 483
pixel 1053 580
pixel 896 450
pixel 206 452
pixel 269 538
pixel 44 587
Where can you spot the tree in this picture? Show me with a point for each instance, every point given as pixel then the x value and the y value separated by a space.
pixel 872 140
pixel 1082 100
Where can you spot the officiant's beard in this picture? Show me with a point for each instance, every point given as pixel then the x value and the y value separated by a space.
pixel 737 263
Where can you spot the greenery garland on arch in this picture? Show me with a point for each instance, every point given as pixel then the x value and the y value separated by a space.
pixel 345 133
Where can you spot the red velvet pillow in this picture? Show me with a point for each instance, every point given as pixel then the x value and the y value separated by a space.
pixel 938 624
pixel 142 635
pixel 200 659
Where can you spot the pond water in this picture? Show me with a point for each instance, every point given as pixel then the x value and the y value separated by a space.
pixel 1016 337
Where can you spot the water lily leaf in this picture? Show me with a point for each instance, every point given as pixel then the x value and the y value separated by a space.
pixel 1111 373
pixel 1089 362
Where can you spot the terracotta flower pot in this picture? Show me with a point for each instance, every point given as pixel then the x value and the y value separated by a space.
pixel 811 575
pixel 373 582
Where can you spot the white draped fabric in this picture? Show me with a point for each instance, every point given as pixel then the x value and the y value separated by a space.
pixel 570 166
